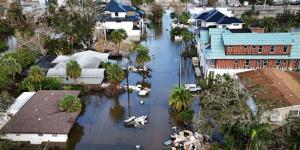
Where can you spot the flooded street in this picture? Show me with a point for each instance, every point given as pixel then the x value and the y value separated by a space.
pixel 100 125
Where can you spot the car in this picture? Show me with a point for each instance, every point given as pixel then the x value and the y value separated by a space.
pixel 193 88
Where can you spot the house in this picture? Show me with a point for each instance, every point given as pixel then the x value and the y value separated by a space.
pixel 43 62
pixel 89 62
pixel 284 86
pixel 121 16
pixel 233 50
pixel 218 19
pixel 38 118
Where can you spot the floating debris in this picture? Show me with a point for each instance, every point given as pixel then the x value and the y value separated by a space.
pixel 188 140
pixel 136 122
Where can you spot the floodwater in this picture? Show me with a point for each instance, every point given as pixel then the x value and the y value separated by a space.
pixel 100 125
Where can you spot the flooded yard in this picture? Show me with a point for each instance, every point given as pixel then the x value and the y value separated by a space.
pixel 100 125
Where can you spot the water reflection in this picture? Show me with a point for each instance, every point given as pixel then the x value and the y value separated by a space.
pixel 117 111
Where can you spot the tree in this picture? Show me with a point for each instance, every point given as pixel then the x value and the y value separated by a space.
pixel 5 101
pixel 180 99
pixel 3 46
pixel 115 74
pixel 136 3
pixel 142 54
pixel 23 56
pixel 70 103
pixel 157 13
pixel 73 70
pixel 11 66
pixel 36 76
pixel 5 80
pixel 184 17
pixel 187 38
pixel 117 36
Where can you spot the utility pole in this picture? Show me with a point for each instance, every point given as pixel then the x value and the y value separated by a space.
pixel 179 82
pixel 128 95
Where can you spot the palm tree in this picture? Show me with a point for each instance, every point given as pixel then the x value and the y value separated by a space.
pixel 187 38
pixel 117 36
pixel 115 74
pixel 73 70
pixel 36 76
pixel 180 99
pixel 11 66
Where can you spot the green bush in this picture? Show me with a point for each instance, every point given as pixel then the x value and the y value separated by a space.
pixel 70 103
pixel 24 56
pixel 3 46
pixel 104 64
pixel 52 84
pixel 186 115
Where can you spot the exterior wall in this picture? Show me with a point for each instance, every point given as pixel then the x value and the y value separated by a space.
pixel 126 25
pixel 280 114
pixel 253 64
pixel 35 138
pixel 231 26
pixel 120 14
pixel 250 50
pixel 231 72
pixel 94 80
pixel 257 29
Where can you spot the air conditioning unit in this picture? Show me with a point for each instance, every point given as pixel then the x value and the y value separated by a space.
pixel 276 117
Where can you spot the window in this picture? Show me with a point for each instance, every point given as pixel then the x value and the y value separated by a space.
pixel 247 62
pixel 294 113
pixel 40 134
pixel 54 135
pixel 116 14
pixel 236 61
pixel 278 62
pixel 118 21
pixel 245 46
pixel 230 46
pixel 272 49
pixel 235 24
pixel 254 47
pixel 265 62
pixel 67 79
pixel 285 48
pixel 18 134
pixel 260 49
pixel 284 61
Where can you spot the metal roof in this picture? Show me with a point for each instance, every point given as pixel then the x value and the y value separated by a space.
pixel 257 38
pixel 217 40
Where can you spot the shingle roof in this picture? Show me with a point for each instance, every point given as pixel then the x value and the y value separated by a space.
pixel 114 6
pixel 41 115
pixel 215 16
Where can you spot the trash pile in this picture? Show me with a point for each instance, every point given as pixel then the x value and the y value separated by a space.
pixel 135 122
pixel 188 140
pixel 141 91
pixel 135 69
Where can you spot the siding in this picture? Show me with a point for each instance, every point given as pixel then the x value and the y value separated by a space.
pixel 250 50
pixel 254 64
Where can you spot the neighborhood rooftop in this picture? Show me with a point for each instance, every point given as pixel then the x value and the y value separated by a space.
pixel 216 16
pixel 41 115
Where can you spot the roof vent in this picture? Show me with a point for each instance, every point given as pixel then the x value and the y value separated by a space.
pixel 36 109
pixel 52 93
pixel 39 119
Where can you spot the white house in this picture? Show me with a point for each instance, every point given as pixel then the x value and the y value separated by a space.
pixel 89 62
pixel 40 120
pixel 121 16
pixel 218 19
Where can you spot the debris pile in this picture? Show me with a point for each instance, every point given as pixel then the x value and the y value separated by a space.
pixel 137 70
pixel 141 91
pixel 135 122
pixel 188 140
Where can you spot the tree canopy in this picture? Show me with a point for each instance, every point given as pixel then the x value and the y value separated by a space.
pixel 73 69
pixel 115 74
pixel 117 36
pixel 180 99
pixel 11 66
pixel 70 103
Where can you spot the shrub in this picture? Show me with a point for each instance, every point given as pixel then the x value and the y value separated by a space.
pixel 3 46
pixel 52 84
pixel 186 115
pixel 24 56
pixel 70 103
